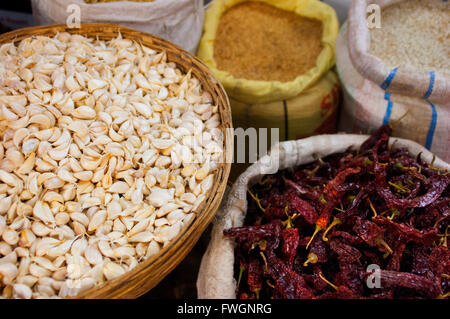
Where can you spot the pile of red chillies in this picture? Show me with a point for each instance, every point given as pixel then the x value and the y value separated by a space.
pixel 370 223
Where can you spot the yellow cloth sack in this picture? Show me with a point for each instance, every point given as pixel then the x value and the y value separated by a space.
pixel 301 107
pixel 314 111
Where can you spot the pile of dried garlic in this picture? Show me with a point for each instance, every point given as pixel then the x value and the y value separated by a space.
pixel 106 151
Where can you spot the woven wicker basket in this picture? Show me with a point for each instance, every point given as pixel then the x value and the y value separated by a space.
pixel 150 272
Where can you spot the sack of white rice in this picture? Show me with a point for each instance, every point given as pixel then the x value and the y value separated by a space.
pixel 398 73
pixel 179 21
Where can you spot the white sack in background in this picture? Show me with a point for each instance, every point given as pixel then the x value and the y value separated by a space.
pixel 179 21
pixel 367 106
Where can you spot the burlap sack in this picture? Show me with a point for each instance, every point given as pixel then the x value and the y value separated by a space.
pixel 179 21
pixel 215 277
pixel 367 106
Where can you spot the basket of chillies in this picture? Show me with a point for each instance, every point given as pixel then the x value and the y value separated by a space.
pixel 344 216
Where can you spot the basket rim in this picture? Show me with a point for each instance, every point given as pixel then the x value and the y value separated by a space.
pixel 216 193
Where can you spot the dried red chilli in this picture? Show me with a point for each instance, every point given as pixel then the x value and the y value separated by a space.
pixel 408 280
pixel 290 284
pixel 303 208
pixel 312 231
pixel 290 244
pixel 255 276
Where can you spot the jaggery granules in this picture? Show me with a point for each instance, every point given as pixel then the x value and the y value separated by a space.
pixel 257 41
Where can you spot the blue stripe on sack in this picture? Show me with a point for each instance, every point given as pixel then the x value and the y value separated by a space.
pixel 432 128
pixel 430 86
pixel 387 95
pixel 389 79
pixel 387 115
